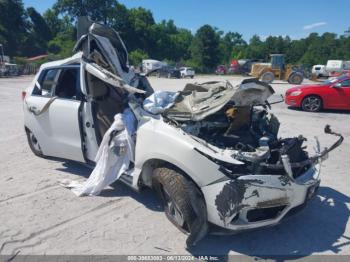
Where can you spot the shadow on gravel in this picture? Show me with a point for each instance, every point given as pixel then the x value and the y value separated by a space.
pixel 318 228
pixel 74 168
pixel 147 197
pixel 332 111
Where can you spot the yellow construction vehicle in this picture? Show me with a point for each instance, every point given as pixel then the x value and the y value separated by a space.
pixel 277 69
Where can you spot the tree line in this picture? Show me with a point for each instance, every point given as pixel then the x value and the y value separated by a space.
pixel 27 33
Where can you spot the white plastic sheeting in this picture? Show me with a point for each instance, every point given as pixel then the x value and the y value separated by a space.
pixel 159 101
pixel 113 157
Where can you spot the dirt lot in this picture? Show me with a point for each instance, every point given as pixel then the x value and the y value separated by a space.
pixel 37 216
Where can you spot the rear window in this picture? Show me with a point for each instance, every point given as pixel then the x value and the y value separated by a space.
pixel 46 83
pixel 317 68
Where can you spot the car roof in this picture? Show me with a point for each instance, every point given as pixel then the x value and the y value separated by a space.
pixel 70 61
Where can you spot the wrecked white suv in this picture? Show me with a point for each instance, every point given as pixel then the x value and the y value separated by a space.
pixel 213 155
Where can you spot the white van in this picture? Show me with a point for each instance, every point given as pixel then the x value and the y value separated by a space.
pixel 149 65
pixel 319 71
pixel 335 66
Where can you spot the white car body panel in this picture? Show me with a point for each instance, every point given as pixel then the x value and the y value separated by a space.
pixel 158 140
pixel 57 129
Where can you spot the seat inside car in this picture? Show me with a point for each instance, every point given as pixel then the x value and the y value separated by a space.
pixel 67 84
pixel 106 104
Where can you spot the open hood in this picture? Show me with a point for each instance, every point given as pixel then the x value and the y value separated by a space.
pixel 198 101
pixel 103 46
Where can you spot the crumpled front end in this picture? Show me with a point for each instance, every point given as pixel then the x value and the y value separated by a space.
pixel 267 193
pixel 253 201
pixel 263 177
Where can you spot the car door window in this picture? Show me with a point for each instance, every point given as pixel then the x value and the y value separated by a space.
pixel 47 82
pixel 68 86
pixel 345 83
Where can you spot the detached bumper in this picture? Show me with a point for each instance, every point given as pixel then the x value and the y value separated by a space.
pixel 254 201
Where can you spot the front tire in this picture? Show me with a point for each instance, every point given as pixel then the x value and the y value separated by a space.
pixel 172 187
pixel 34 144
pixel 311 104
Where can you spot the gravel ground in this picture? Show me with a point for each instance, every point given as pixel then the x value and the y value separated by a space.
pixel 39 217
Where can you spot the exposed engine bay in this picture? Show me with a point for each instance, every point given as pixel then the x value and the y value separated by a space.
pixel 243 126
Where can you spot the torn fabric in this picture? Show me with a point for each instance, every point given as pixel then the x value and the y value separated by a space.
pixel 113 158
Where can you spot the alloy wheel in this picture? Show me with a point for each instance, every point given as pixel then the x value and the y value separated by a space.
pixel 312 104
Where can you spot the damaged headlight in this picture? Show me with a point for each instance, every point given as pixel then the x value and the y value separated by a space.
pixel 229 169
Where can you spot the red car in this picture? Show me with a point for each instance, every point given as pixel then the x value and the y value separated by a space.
pixel 331 94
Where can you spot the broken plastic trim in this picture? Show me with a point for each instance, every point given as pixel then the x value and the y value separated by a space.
pixel 235 170
pixel 229 169
pixel 312 159
pixel 110 78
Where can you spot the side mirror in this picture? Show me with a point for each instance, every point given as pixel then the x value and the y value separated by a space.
pixel 337 85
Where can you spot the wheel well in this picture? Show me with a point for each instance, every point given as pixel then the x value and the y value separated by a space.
pixel 313 95
pixel 151 164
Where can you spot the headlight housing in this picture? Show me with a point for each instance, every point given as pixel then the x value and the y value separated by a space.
pixel 296 93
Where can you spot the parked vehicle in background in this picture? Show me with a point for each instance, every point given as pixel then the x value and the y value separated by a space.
pixel 245 65
pixel 331 94
pixel 221 70
pixel 169 72
pixel 149 65
pixel 234 67
pixel 319 71
pixel 187 72
pixel 3 70
pixel 337 67
pixel 12 69
pixel 334 66
pixel 277 68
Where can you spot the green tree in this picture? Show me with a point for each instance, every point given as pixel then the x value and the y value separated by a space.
pixel 14 26
pixel 205 49
pixel 39 25
pixel 136 57
pixel 97 10
pixel 227 44
pixel 256 49
pixel 141 22
pixel 55 24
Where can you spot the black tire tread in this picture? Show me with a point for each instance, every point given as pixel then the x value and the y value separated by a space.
pixel 176 185
pixel 35 152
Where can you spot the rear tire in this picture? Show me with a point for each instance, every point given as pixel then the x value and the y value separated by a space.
pixel 34 144
pixel 267 77
pixel 311 104
pixel 172 188
pixel 295 78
